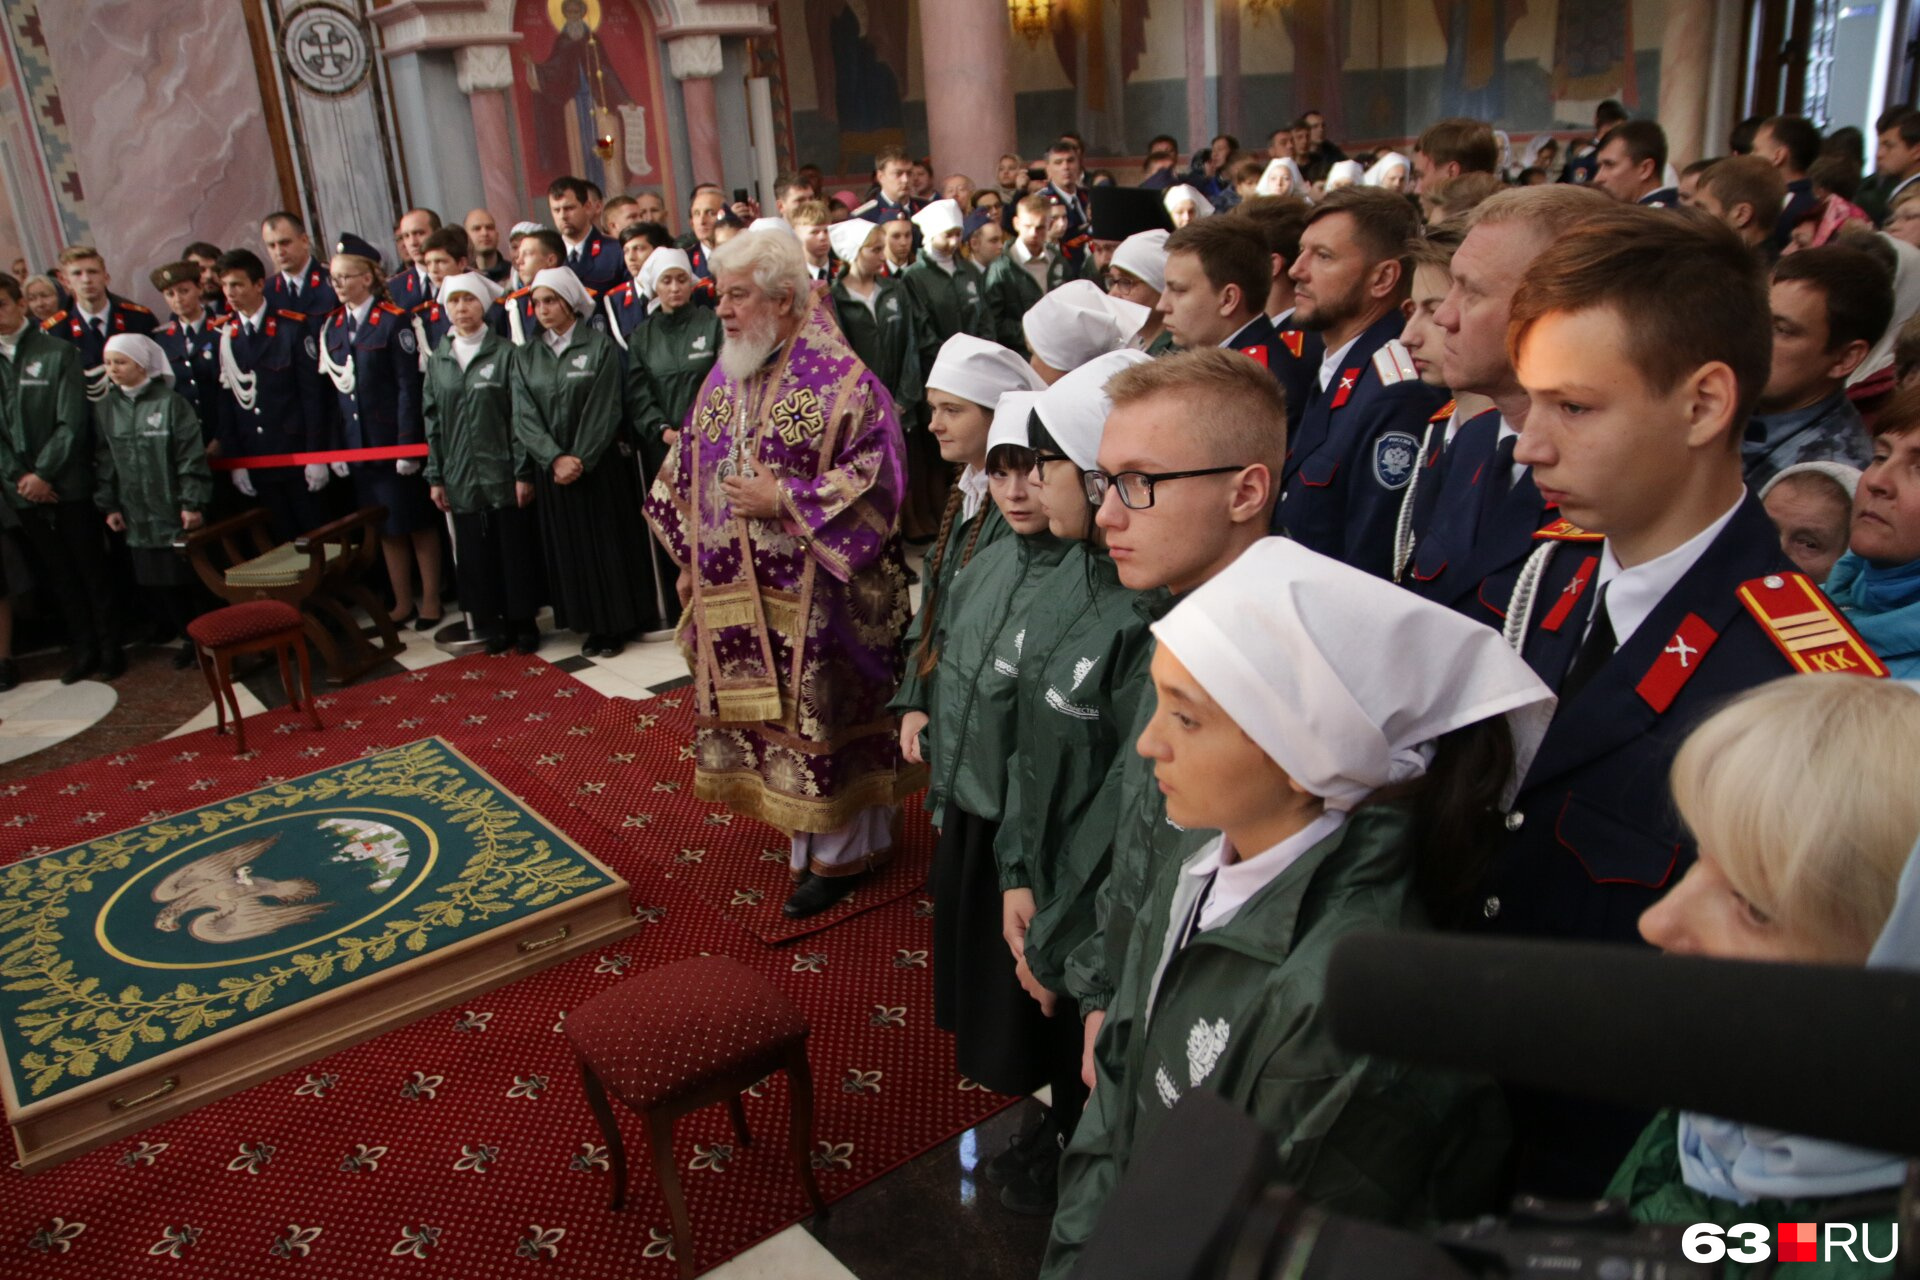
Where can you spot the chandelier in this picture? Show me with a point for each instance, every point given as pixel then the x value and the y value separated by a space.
pixel 1030 18
pixel 1261 10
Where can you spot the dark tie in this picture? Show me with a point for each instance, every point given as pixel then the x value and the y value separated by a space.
pixel 1594 651
pixel 573 258
pixel 1499 477
pixel 248 326
pixel 99 327
pixel 353 327
pixel 293 289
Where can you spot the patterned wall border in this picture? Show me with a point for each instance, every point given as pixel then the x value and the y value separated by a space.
pixel 33 73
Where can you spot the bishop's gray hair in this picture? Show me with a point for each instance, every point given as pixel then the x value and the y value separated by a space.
pixel 773 258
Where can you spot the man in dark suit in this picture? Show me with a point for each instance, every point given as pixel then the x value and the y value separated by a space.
pixel 411 286
pixel 298 283
pixel 1632 165
pixel 594 259
pixel 1296 355
pixel 96 315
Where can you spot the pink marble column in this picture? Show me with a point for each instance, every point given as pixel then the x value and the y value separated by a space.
pixel 1686 73
pixel 493 137
pixel 970 100
pixel 703 128
pixel 1196 34
pixel 1228 35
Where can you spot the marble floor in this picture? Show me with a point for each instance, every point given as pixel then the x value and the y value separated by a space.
pixel 931 1217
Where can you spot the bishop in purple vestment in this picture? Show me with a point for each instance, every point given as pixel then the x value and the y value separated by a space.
pixel 780 503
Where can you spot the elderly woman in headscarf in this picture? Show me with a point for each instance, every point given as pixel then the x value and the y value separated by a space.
pixel 476 471
pixel 1390 172
pixel 1801 795
pixel 1184 203
pixel 569 416
pixel 1350 792
pixel 151 475
pixel 372 356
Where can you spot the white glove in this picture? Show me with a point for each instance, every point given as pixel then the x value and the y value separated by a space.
pixel 341 469
pixel 407 466
pixel 241 482
pixel 316 473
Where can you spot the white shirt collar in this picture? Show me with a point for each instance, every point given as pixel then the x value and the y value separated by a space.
pixel 258 320
pixel 133 392
pixel 573 244
pixel 1282 317
pixel 1021 256
pixel 298 279
pixel 465 349
pixel 1242 329
pixel 11 340
pixel 1633 594
pixel 1331 365
pixel 973 491
pixel 88 317
pixel 1234 883
pixel 361 312
pixel 559 341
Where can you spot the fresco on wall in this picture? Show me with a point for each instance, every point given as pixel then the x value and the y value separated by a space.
pixel 1593 52
pixel 1475 81
pixel 858 55
pixel 586 88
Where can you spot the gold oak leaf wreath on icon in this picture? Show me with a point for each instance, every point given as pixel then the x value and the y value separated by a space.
pixel 80 1023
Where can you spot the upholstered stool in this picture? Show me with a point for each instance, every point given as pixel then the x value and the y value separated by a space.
pixel 254 627
pixel 682 1037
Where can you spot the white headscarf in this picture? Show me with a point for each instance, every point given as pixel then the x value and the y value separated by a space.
pixel 563 282
pixel 1376 176
pixel 143 351
pixel 658 263
pixel 941 215
pixel 849 237
pixel 1143 255
pixel 1308 655
pixel 980 371
pixel 1075 408
pixel 1535 145
pixel 1345 173
pixel 1269 184
pixel 1010 418
pixel 1906 302
pixel 1202 207
pixel 773 223
pixel 1078 321
pixel 469 282
pixel 1848 478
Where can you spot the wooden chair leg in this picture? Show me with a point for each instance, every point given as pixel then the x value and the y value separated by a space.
pixel 213 687
pixel 311 703
pixel 609 1129
pixel 739 1114
pixel 660 1137
pixel 800 1141
pixel 284 659
pixel 223 667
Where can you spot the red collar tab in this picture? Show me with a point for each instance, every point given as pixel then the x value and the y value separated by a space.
pixel 1295 342
pixel 1445 412
pixel 1676 664
pixel 1349 379
pixel 1570 595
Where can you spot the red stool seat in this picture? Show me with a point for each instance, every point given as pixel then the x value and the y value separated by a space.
pixel 669 1033
pixel 243 623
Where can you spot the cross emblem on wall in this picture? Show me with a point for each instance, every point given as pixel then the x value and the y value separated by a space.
pixel 326 50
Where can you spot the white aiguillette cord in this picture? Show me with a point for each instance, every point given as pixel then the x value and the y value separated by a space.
pixel 236 380
pixel 341 375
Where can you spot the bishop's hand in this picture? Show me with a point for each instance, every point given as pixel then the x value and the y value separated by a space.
pixel 753 494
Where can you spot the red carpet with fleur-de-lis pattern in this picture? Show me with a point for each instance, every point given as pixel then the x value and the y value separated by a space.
pixel 461 1145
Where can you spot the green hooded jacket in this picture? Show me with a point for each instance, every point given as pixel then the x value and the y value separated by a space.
pixel 885 339
pixel 945 304
pixel 916 691
pixel 572 403
pixel 1240 1011
pixel 1083 672
pixel 1011 292
pixel 971 727
pixel 668 358
pixel 1145 844
pixel 46 429
pixel 1649 1180
pixel 149 462
pixel 469 415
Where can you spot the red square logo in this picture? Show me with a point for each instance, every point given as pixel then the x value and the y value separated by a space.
pixel 1797 1242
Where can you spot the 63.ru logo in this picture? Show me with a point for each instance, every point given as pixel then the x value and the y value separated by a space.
pixel 1794 1242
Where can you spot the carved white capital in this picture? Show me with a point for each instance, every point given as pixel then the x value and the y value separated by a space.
pixel 483 67
pixel 694 57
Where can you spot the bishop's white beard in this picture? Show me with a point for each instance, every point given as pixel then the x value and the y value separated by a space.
pixel 741 357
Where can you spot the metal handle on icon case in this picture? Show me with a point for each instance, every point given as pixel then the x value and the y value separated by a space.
pixel 167 1086
pixel 527 948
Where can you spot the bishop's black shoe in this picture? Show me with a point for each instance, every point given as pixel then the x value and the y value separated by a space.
pixel 816 893
pixel 85 663
pixel 113 662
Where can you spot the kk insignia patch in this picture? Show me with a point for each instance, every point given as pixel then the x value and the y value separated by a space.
pixel 1393 457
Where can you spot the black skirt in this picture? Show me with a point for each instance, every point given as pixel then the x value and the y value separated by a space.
pixel 499 565
pixel 598 552
pixel 1001 1039
pixel 408 502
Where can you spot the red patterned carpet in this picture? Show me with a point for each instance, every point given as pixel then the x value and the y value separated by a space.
pixel 461 1146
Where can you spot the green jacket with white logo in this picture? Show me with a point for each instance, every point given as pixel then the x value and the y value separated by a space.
pixel 1011 292
pixel 945 304
pixel 916 691
pixel 1083 673
pixel 46 431
pixel 668 358
pixel 469 418
pixel 149 462
pixel 1240 1011
pixel 885 339
pixel 572 403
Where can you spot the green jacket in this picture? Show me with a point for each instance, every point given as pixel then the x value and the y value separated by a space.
pixel 1011 291
pixel 1649 1181
pixel 149 462
pixel 1083 672
pixel 47 431
pixel 668 358
pixel 944 304
pixel 1145 844
pixel 572 403
pixel 970 732
pixel 469 415
pixel 885 339
pixel 1162 344
pixel 915 692
pixel 1240 1011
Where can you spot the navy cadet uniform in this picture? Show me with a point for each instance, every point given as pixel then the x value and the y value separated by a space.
pixel 1296 362
pixel 1356 448
pixel 194 353
pixel 622 311
pixel 1473 523
pixel 410 288
pixel 90 335
pixel 596 262
pixel 880 209
pixel 1800 198
pixel 278 407
pixel 383 409
pixel 314 297
pixel 1079 221
pixel 1593 840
